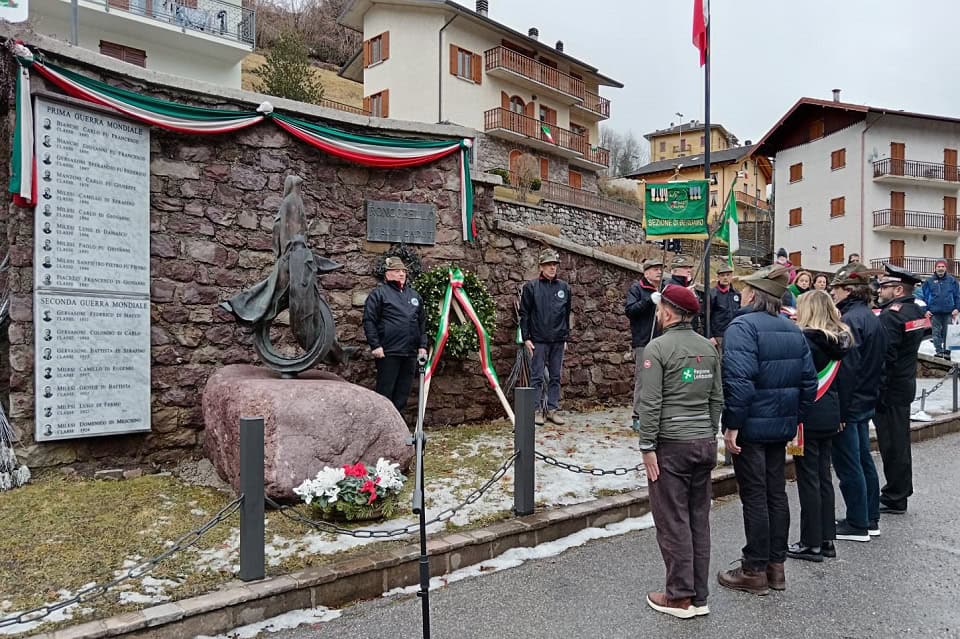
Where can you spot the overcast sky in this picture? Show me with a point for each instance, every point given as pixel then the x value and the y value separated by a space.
pixel 765 55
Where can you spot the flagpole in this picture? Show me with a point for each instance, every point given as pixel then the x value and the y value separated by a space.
pixel 706 175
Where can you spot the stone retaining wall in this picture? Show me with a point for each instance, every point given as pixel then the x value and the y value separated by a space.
pixel 586 227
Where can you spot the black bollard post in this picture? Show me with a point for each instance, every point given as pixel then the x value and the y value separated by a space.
pixel 251 487
pixel 525 405
pixel 953 373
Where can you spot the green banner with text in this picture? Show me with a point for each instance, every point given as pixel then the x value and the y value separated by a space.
pixel 677 209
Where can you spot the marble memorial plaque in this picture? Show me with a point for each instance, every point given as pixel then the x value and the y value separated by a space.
pixel 401 222
pixel 92 366
pixel 93 210
pixel 91 273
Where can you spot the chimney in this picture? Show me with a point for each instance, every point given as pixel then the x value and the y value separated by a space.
pixel 836 95
pixel 560 46
pixel 482 7
pixel 748 143
pixel 534 33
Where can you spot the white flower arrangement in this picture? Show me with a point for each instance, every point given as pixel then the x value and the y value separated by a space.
pixel 353 490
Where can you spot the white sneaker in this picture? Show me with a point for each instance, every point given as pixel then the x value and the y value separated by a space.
pixel 700 611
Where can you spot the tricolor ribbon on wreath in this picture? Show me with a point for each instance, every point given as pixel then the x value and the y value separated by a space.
pixel 380 152
pixel 456 293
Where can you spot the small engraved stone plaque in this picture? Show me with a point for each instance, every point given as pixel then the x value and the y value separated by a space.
pixel 395 222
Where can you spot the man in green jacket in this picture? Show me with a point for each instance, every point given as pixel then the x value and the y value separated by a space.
pixel 680 407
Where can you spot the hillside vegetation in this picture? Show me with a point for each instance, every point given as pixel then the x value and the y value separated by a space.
pixel 334 87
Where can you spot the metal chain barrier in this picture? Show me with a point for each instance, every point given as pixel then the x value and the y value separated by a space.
pixel 575 468
pixel 140 570
pixel 936 387
pixel 291 512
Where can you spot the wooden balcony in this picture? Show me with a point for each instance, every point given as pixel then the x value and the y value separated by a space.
pixel 593 158
pixel 593 106
pixel 751 200
pixel 565 194
pixel 517 68
pixel 918 222
pixel 892 171
pixel 529 131
pixel 917 265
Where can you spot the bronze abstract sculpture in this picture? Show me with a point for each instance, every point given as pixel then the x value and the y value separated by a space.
pixel 292 284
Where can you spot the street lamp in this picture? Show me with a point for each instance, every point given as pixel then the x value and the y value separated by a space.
pixel 680 115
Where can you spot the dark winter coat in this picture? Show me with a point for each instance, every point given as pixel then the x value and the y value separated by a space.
pixel 823 418
pixel 545 307
pixel 859 378
pixel 900 319
pixel 642 312
pixel 768 378
pixel 724 305
pixel 393 319
pixel 697 321
pixel 942 294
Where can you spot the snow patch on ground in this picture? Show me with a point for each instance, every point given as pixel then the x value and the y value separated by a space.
pixel 63 614
pixel 286 621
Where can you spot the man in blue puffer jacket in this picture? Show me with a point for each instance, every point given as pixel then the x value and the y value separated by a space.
pixel 769 383
pixel 941 292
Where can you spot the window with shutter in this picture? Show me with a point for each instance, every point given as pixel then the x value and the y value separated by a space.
pixel 376 49
pixel 838 207
pixel 836 253
pixel 124 53
pixel 378 104
pixel 576 179
pixel 796 172
pixel 544 168
pixel 663 146
pixel 795 258
pixel 466 65
pixel 838 159
pixel 816 129
pixel 796 216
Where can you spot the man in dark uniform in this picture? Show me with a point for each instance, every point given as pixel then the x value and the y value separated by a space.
pixel 395 325
pixel 724 304
pixel 903 322
pixel 545 306
pixel 681 274
pixel 642 312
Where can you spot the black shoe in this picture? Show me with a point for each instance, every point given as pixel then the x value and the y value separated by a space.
pixel 806 553
pixel 890 510
pixel 850 533
pixel 828 549
pixel 874 529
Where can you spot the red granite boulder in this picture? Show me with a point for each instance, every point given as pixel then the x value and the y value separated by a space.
pixel 315 420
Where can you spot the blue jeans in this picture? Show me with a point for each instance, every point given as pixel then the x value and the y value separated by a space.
pixel 939 322
pixel 549 354
pixel 859 482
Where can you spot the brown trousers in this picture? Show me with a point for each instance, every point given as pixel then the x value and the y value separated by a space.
pixel 680 502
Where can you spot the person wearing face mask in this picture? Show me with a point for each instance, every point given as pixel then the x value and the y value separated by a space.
pixel 941 293
pixel 680 406
pixel 724 304
pixel 395 327
pixel 903 324
pixel 641 311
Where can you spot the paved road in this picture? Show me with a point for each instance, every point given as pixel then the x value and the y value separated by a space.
pixel 905 583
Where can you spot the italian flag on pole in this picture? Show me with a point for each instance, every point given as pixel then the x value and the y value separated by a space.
pixel 701 18
pixel 729 231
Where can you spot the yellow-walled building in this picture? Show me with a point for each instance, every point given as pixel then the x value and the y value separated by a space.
pixel 686 139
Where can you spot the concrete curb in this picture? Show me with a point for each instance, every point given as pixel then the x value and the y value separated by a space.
pixel 368 577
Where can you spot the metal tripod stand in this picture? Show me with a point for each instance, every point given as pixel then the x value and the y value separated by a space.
pixel 420 440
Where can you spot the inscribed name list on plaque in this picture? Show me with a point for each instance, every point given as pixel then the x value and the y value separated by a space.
pixel 91 273
pixel 396 222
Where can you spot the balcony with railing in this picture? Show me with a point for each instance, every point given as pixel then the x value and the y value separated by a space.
pixel 222 20
pixel 925 222
pixel 593 106
pixel 533 132
pixel 518 68
pixel 340 106
pixel 896 171
pixel 751 200
pixel 565 194
pixel 593 157
pixel 915 264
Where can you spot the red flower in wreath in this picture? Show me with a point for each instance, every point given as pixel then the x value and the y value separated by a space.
pixel 357 470
pixel 369 487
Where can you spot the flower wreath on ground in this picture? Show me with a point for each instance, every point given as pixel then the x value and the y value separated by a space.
pixel 354 492
pixel 432 286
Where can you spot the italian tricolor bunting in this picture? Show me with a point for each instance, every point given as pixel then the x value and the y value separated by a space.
pixel 826 377
pixel 456 293
pixel 381 152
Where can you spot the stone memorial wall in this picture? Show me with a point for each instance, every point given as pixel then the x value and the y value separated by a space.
pixel 212 201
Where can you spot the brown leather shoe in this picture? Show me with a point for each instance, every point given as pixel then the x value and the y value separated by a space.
pixel 776 577
pixel 679 608
pixel 746 580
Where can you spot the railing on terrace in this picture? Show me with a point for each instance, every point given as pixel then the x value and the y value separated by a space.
pixel 213 17
pixel 598 155
pixel 915 219
pixel 501 118
pixel 915 264
pixel 565 194
pixel 340 106
pixel 750 200
pixel 912 168
pixel 503 58
pixel 596 103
